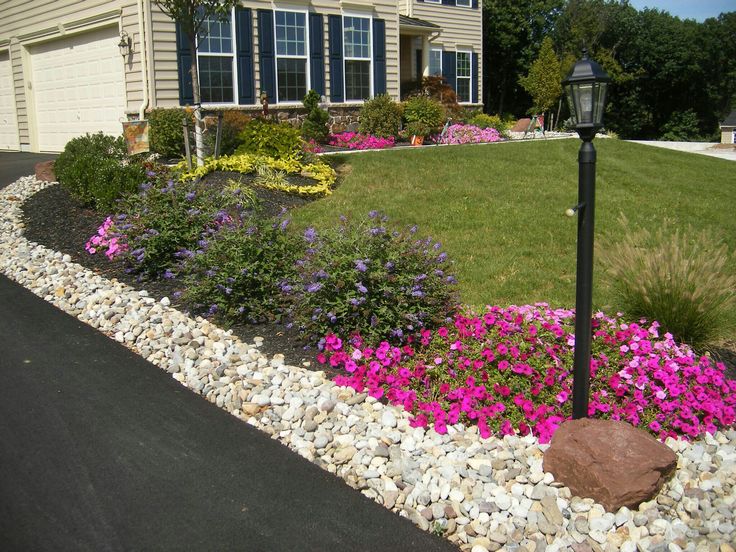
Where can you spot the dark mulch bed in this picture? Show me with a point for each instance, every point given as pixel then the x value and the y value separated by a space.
pixel 54 219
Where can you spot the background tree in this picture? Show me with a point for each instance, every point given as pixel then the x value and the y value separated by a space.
pixel 543 81
pixel 191 16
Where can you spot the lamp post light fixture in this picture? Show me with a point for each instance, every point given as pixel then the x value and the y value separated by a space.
pixel 586 88
pixel 125 44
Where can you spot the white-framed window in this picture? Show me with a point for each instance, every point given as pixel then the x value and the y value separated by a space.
pixel 435 62
pixel 464 76
pixel 358 57
pixel 464 3
pixel 216 60
pixel 433 1
pixel 292 54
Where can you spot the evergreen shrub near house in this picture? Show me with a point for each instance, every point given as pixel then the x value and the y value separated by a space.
pixel 381 117
pixel 233 123
pixel 166 132
pixel 424 112
pixel 276 140
pixel 314 126
pixel 365 278
pixel 97 171
pixel 678 278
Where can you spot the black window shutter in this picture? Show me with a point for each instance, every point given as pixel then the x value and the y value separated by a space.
pixel 267 52
pixel 449 70
pixel 379 56
pixel 337 75
pixel 317 53
pixel 474 85
pixel 475 4
pixel 184 67
pixel 244 59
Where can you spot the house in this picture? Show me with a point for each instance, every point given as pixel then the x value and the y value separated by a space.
pixel 75 66
pixel 728 129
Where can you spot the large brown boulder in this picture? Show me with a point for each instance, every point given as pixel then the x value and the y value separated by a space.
pixel 611 462
pixel 45 171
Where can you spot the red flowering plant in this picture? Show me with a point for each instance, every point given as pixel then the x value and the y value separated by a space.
pixel 509 370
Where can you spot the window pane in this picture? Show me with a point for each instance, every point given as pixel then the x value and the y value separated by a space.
pixel 463 64
pixel 292 77
pixel 357 80
pixel 216 36
pixel 435 62
pixel 216 79
pixel 357 37
pixel 463 3
pixel 291 30
pixel 463 89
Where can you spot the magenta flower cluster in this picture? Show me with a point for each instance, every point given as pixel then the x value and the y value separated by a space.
pixel 509 371
pixel 108 240
pixel 357 141
pixel 470 134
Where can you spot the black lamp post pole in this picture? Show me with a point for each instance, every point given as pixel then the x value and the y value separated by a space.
pixel 584 282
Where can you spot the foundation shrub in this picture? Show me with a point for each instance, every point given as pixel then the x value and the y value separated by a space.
pixel 233 123
pixel 277 140
pixel 165 131
pixel 314 128
pixel 381 117
pixel 424 111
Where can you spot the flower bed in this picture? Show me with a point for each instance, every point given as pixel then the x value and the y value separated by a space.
pixel 469 134
pixel 508 371
pixel 357 141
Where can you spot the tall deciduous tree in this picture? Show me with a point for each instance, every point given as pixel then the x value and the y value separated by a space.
pixel 191 16
pixel 543 80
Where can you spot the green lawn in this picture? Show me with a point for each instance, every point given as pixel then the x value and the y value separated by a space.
pixel 499 209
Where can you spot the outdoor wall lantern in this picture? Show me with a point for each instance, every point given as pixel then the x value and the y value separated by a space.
pixel 124 44
pixel 586 88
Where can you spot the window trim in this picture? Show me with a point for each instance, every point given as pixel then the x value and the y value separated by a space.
pixel 232 55
pixel 442 53
pixel 305 57
pixel 469 78
pixel 432 1
pixel 459 5
pixel 370 60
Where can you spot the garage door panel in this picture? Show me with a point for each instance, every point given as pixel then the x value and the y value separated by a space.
pixel 8 120
pixel 79 87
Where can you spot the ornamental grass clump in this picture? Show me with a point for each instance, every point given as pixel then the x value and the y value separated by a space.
pixel 508 371
pixel 365 278
pixel 238 270
pixel 682 279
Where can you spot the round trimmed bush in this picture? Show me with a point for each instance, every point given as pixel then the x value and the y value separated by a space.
pixel 380 116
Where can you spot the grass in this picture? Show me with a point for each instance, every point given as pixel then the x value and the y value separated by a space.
pixel 499 209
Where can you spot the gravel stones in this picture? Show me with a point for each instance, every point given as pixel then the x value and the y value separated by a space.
pixel 481 494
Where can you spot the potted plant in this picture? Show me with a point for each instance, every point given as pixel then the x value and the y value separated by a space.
pixel 417 131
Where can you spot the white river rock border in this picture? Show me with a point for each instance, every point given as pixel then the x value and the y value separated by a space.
pixel 483 495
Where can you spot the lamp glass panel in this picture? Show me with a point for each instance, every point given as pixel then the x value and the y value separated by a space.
pixel 585 103
pixel 571 104
pixel 600 102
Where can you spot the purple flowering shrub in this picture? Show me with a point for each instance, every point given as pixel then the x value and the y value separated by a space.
pixel 357 141
pixel 365 278
pixel 238 271
pixel 470 134
pixel 509 371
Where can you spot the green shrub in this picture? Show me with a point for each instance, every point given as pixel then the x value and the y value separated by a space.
pixel 314 126
pixel 424 110
pixel 436 87
pixel 97 171
pixel 684 280
pixel 233 123
pixel 165 131
pixel 277 140
pixel 683 126
pixel 238 274
pixel 363 278
pixel 483 120
pixel 380 116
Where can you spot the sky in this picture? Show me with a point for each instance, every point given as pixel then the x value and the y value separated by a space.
pixel 699 10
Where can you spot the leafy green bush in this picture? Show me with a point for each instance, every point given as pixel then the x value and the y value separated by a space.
pixel 277 140
pixel 683 126
pixel 165 131
pixel 314 126
pixel 233 123
pixel 380 116
pixel 684 280
pixel 363 278
pixel 97 171
pixel 424 110
pixel 238 273
pixel 437 88
pixel 483 120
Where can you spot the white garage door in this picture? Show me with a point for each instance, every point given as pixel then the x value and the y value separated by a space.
pixel 79 87
pixel 8 123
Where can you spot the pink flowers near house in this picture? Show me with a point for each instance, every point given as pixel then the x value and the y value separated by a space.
pixel 357 141
pixel 107 240
pixel 470 134
pixel 509 370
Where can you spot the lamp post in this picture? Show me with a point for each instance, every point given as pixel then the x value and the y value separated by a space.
pixel 586 88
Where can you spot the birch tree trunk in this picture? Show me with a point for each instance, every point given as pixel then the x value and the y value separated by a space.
pixel 198 140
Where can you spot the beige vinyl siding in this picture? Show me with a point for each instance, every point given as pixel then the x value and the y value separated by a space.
pixel 462 29
pixel 27 22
